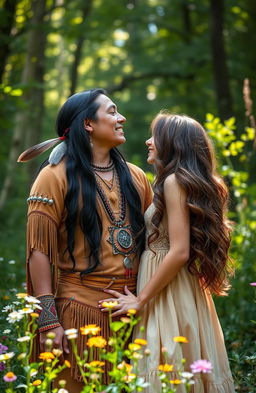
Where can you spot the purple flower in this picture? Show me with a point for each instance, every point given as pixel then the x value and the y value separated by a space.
pixel 201 366
pixel 3 348
pixel 253 284
pixel 2 366
pixel 9 377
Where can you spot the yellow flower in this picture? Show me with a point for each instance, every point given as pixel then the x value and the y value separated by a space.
pixel 165 367
pixel 21 295
pixel 34 315
pixel 46 355
pixel 126 366
pixel 132 311
pixel 140 341
pixel 37 382
pixel 90 329
pixel 180 339
pixel 134 347
pixel 109 305
pixel 96 363
pixel 175 381
pixel 97 341
pixel 67 363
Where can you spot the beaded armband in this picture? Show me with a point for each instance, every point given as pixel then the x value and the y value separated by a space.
pixel 48 318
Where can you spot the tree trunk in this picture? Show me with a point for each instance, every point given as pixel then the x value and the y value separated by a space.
pixel 87 6
pixel 28 122
pixel 220 69
pixel 8 15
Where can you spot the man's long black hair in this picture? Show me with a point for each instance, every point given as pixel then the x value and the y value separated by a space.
pixel 81 179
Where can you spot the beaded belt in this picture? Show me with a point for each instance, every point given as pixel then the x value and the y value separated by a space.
pixel 98 282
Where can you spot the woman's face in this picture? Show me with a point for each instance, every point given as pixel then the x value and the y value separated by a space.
pixel 107 130
pixel 152 153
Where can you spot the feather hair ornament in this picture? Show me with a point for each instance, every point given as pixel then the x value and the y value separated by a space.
pixel 57 153
pixel 35 150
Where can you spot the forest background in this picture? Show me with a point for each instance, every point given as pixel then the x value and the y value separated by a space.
pixel 188 56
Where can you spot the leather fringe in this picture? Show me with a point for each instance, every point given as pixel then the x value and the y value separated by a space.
pixel 42 236
pixel 79 314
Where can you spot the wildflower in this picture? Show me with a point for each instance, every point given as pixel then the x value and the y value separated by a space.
pixel 23 339
pixel 7 308
pixel 175 381
pixel 129 377
pixel 7 331
pixel 186 375
pixel 140 341
pixel 9 377
pixel 253 284
pixel 2 366
pixel 46 355
pixel 201 366
pixel 62 383
pixel 21 356
pixel 3 348
pixel 26 310
pixel 164 349
pixel 96 363
pixel 126 366
pixel 14 317
pixel 32 299
pixel 132 311
pixel 134 347
pixel 125 320
pixel 6 356
pixel 63 390
pixel 21 295
pixel 37 382
pixel 12 262
pixel 94 376
pixel 97 341
pixel 33 372
pixel 180 339
pixel 67 363
pixel 147 352
pixel 57 352
pixel 165 367
pixel 71 333
pixel 109 305
pixel 34 315
pixel 90 329
pixel 137 355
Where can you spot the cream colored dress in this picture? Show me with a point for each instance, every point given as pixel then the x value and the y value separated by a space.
pixel 181 309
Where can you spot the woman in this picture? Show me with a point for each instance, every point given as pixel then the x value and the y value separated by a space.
pixel 186 259
pixel 85 221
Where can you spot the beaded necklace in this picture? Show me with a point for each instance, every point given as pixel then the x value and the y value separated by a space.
pixel 121 236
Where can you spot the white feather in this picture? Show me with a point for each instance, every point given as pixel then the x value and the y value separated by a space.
pixel 57 153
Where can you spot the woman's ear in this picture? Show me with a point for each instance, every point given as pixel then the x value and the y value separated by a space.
pixel 88 125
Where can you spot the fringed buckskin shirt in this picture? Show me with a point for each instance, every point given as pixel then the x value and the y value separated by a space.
pixel 46 231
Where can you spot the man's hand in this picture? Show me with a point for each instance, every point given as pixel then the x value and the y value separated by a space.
pixel 59 342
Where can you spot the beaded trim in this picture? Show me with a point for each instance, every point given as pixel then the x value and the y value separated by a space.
pixel 104 168
pixel 41 199
pixel 48 318
pixel 105 202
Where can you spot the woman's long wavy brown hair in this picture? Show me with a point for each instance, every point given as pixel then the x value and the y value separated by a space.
pixel 183 148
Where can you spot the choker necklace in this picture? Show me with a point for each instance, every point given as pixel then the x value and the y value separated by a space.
pixel 107 168
pixel 121 236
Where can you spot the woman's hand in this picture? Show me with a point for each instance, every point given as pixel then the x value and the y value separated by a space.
pixel 59 342
pixel 125 302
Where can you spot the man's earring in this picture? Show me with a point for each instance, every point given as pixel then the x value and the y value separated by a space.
pixel 90 139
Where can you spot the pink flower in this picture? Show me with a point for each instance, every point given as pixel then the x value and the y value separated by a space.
pixel 9 377
pixel 253 284
pixel 201 366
